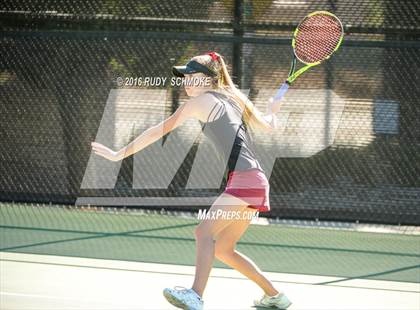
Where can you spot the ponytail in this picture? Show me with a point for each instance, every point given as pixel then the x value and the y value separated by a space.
pixel 251 116
pixel 222 80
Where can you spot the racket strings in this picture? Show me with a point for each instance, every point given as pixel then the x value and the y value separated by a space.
pixel 317 38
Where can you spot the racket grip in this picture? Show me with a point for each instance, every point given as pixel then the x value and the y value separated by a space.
pixel 281 92
pixel 273 107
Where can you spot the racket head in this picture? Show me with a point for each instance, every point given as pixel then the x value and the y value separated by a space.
pixel 317 37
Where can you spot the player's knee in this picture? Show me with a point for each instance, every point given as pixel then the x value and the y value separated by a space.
pixel 202 232
pixel 223 251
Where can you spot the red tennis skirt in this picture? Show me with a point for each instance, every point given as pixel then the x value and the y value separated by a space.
pixel 251 186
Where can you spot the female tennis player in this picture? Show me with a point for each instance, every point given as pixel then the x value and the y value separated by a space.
pixel 224 112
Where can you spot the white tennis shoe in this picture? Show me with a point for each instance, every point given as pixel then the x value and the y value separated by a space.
pixel 280 301
pixel 183 298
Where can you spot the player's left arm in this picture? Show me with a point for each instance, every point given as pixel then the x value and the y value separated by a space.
pixel 186 111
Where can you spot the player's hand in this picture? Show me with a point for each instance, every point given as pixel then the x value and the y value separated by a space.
pixel 273 106
pixel 106 152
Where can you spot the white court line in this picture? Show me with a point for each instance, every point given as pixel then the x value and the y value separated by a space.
pixel 106 303
pixel 31 281
pixel 42 296
pixel 39 296
pixel 216 272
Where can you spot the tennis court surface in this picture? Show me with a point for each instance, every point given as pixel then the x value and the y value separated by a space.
pixel 57 257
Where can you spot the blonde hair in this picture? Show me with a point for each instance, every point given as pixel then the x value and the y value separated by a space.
pixel 251 116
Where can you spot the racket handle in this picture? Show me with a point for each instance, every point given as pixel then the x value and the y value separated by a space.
pixel 274 102
pixel 281 92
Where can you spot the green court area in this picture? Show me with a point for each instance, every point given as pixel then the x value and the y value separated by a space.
pixel 169 239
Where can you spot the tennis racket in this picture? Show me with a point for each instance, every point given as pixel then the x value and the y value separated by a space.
pixel 315 39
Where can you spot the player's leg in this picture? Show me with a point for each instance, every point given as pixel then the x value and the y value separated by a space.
pixel 205 234
pixel 225 251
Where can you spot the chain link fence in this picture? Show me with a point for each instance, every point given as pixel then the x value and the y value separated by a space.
pixel 350 145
